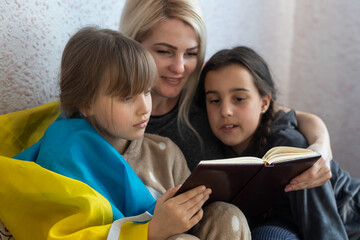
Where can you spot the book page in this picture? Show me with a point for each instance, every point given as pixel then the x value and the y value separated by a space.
pixel 237 160
pixel 283 153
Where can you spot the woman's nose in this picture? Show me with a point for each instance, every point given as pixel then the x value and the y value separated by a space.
pixel 177 65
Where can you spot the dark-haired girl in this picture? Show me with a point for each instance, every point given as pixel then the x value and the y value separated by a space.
pixel 239 94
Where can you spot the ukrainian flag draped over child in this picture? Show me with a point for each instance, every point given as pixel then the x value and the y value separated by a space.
pixel 72 184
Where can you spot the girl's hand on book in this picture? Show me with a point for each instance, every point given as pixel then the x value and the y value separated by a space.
pixel 315 176
pixel 175 215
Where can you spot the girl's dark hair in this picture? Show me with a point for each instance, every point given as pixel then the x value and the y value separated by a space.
pixel 256 65
pixel 97 60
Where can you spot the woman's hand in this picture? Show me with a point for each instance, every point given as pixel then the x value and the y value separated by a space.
pixel 315 176
pixel 175 215
pixel 316 133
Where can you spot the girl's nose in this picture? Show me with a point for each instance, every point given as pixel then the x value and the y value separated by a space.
pixel 226 109
pixel 145 104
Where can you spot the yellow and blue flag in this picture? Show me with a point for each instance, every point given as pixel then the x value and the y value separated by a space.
pixel 72 184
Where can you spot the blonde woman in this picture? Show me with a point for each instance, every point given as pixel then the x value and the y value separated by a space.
pixel 174 33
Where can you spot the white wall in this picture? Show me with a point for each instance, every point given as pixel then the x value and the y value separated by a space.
pixel 325 72
pixel 33 35
pixel 312 47
pixel 266 26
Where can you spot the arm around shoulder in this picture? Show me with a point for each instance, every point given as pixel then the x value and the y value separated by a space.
pixel 316 133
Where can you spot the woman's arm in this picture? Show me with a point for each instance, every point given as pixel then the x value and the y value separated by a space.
pixel 317 135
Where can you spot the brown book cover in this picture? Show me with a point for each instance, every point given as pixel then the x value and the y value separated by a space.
pixel 251 183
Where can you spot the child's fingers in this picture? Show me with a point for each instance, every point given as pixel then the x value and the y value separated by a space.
pixel 196 217
pixel 179 214
pixel 190 202
pixel 168 194
pixel 184 197
pixel 194 205
pixel 196 202
pixel 186 204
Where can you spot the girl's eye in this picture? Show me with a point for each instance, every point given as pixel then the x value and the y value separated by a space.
pixel 213 101
pixel 127 99
pixel 240 99
pixel 146 93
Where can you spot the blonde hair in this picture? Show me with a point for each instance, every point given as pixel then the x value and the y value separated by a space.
pixel 140 16
pixel 101 59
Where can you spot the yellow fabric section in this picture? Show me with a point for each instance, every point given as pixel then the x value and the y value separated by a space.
pixel 135 231
pixel 41 204
pixel 19 130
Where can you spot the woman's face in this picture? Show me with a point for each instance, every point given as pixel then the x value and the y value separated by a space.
pixel 234 105
pixel 174 46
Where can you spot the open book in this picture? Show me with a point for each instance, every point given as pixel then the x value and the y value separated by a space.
pixel 251 183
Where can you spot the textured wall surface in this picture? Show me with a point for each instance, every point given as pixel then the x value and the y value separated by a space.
pixel 312 47
pixel 33 34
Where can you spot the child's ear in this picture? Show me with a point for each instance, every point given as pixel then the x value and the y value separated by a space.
pixel 86 111
pixel 265 103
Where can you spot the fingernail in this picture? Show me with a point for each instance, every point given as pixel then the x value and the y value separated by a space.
pixel 288 189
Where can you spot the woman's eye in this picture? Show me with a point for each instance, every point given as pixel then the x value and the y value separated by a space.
pixel 146 93
pixel 163 52
pixel 192 54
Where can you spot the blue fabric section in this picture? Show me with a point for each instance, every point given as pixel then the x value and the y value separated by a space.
pixel 73 148
pixel 30 154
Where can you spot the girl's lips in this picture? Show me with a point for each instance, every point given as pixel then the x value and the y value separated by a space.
pixel 228 128
pixel 142 124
